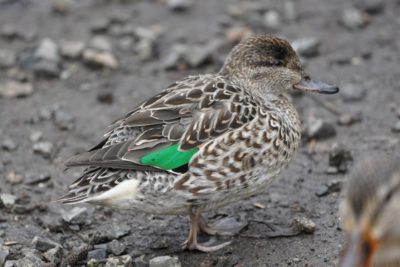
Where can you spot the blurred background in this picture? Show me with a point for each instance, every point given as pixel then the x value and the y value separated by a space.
pixel 68 68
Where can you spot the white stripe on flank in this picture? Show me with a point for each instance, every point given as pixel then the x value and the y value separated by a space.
pixel 126 190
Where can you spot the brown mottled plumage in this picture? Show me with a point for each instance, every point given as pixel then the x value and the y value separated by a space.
pixel 234 131
pixel 371 213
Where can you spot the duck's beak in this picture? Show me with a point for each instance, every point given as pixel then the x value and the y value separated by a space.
pixel 359 252
pixel 306 84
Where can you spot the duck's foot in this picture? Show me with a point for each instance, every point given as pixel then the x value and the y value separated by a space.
pixel 197 225
pixel 226 226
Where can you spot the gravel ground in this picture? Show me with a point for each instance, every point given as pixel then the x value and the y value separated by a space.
pixel 69 68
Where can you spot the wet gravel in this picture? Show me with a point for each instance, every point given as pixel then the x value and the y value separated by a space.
pixel 68 68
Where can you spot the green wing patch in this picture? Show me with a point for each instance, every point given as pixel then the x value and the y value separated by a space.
pixel 168 158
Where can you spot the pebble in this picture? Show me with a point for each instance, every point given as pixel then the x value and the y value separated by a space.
pixel 198 55
pixel 396 127
pixel 230 260
pixel 340 157
pixel 8 144
pixel 43 244
pixel 304 224
pixel 307 47
pixel 77 215
pixel 44 148
pixel 100 43
pixel 54 255
pixel 174 56
pixel 118 230
pixel 372 7
pixel 47 50
pixel 63 119
pixel 272 20
pixel 347 119
pixel 61 6
pixel 145 49
pixel 14 89
pixel 165 261
pixel 353 19
pixel 121 261
pixel 7 59
pixel 352 92
pixel 4 252
pixel 7 200
pixel 9 32
pixel 115 247
pixel 178 5
pixel 105 97
pixel 100 25
pixel 71 49
pixel 97 254
pixel 32 258
pixel 320 129
pixel 13 178
pixel 100 59
pixel 35 136
pixel 332 187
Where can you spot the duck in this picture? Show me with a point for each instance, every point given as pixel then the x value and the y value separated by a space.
pixel 370 212
pixel 203 142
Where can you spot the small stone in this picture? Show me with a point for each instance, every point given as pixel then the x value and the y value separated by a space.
pixel 396 127
pixel 61 6
pixel 115 247
pixel 4 252
pixel 320 129
pixel 43 148
pixel 100 59
pixel 145 49
pixel 126 43
pixel 14 89
pixel 174 57
pixel 7 200
pixel 372 7
pixel 332 187
pixel 352 92
pixel 8 32
pixel 77 215
pixel 347 119
pixel 63 119
pixel 43 244
pixel 230 260
pixel 340 157
pixel 178 5
pixel 105 97
pixel 7 59
pixel 100 25
pixel 100 43
pixel 307 47
pixel 72 49
pixel 121 261
pixel 8 144
pixel 353 19
pixel 165 261
pixel 13 178
pixel 35 136
pixel 32 258
pixel 97 254
pixel 140 262
pixel 54 255
pixel 118 230
pixel 304 224
pixel 272 20
pixel 332 170
pixel 47 50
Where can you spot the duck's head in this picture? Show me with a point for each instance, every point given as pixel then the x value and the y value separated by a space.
pixel 270 65
pixel 371 214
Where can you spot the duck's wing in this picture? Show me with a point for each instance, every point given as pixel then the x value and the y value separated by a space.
pixel 168 129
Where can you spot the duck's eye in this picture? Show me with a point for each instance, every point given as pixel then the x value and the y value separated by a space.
pixel 271 63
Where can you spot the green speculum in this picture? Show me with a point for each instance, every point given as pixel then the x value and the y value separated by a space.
pixel 168 158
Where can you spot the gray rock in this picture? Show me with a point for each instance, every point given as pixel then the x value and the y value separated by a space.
pixel 8 144
pixel 97 254
pixel 347 119
pixel 61 6
pixel 4 252
pixel 121 261
pixel 140 262
pixel 304 224
pixel 115 247
pixel 47 50
pixel 178 5
pixel 31 258
pixel 105 97
pixel 307 47
pixel 332 187
pixel 396 127
pixel 199 55
pixel 13 178
pixel 320 129
pixel 126 43
pixel 77 215
pixel 100 43
pixel 372 7
pixel 340 157
pixel 7 200
pixel 35 136
pixel 100 25
pixel 353 19
pixel 118 230
pixel 7 59
pixel 43 244
pixel 145 49
pixel 98 59
pixel 72 49
pixel 8 32
pixel 43 148
pixel 174 56
pixel 14 89
pixel 352 92
pixel 272 20
pixel 63 119
pixel 228 261
pixel 165 261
